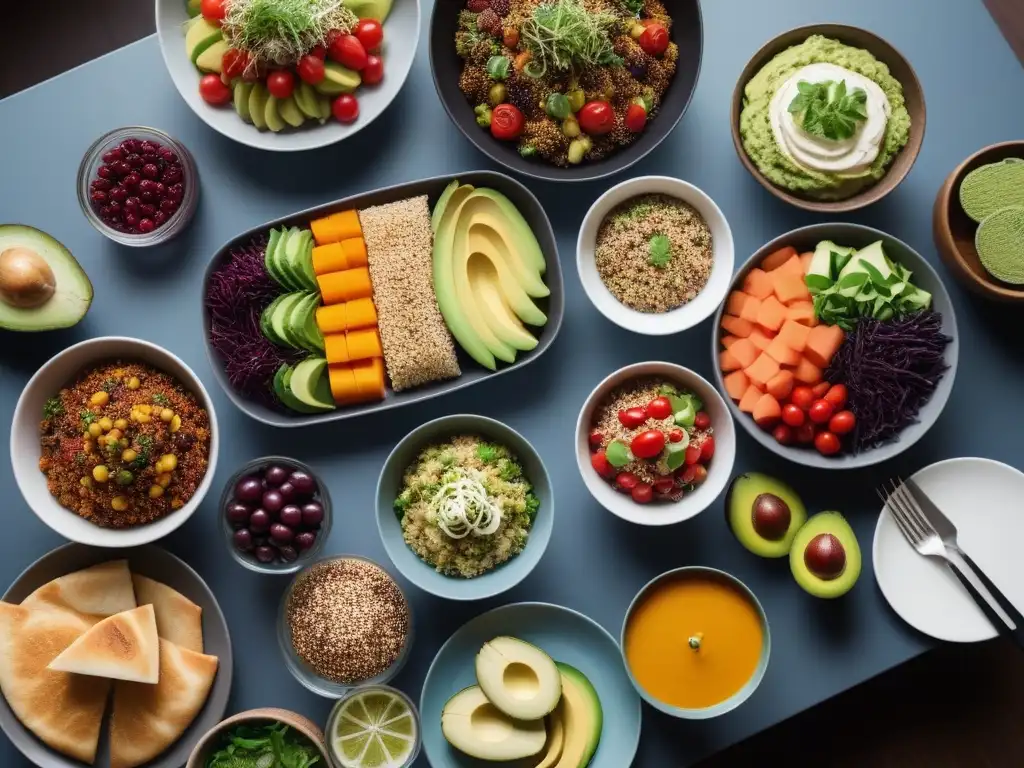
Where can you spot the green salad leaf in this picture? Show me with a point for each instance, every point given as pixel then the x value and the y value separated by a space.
pixel 660 248
pixel 274 745
pixel 828 110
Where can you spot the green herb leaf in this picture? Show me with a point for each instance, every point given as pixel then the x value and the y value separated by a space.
pixel 87 417
pixel 161 399
pixel 497 67
pixel 660 248
pixel 488 453
pixel 618 454
pixel 817 283
pixel 828 110
pixel 634 7
pixel 53 408
pixel 532 505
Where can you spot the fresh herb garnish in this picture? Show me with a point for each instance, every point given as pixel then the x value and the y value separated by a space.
pixel 532 505
pixel 268 746
pixel 53 408
pixel 826 109
pixel 80 458
pixel 509 471
pixel 87 417
pixel 497 67
pixel 161 399
pixel 634 7
pixel 145 445
pixel 660 248
pixel 282 31
pixel 488 453
pixel 109 384
pixel 563 35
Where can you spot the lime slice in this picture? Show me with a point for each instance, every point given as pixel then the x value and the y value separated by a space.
pixel 402 725
pixel 375 729
pixel 397 746
pixel 376 705
pixel 353 747
pixel 375 755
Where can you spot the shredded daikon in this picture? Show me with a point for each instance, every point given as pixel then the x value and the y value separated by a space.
pixel 462 507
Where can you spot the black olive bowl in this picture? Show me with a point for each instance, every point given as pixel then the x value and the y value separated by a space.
pixel 446 67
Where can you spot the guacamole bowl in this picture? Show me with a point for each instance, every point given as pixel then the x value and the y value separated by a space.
pixel 875 49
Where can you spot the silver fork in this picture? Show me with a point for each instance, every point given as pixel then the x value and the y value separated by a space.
pixel 920 534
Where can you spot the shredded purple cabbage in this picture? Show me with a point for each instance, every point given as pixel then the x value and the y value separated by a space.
pixel 890 368
pixel 237 293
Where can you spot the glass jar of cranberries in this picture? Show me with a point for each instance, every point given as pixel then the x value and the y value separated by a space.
pixel 138 186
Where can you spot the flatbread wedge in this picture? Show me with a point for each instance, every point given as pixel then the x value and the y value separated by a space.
pixel 178 619
pixel 147 719
pixel 99 591
pixel 123 646
pixel 64 711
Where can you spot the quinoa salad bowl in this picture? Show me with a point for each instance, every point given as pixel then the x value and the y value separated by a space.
pixel 693 455
pixel 655 255
pixel 465 507
pixel 114 442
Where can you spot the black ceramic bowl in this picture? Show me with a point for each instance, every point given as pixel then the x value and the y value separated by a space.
pixel 446 66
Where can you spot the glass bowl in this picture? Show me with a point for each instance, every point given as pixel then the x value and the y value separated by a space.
pixel 303 672
pixel 332 721
pixel 93 159
pixel 228 531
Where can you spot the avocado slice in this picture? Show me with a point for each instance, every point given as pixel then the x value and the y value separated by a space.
pixel 825 558
pixel 279 320
pixel 258 105
pixel 298 322
pixel 524 242
pixel 325 108
pixel 764 514
pixel 298 259
pixel 280 386
pixel 515 241
pixel 496 312
pixel 310 386
pixel 555 744
pixel 306 99
pixel 211 60
pixel 338 79
pixel 277 236
pixel 487 242
pixel 267 321
pixel 370 9
pixel 496 665
pixel 282 265
pixel 582 718
pixel 442 203
pixel 471 724
pixel 271 114
pixel 290 112
pixel 42 286
pixel 201 35
pixel 240 98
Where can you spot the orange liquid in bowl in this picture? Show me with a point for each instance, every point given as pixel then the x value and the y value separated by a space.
pixel 721 619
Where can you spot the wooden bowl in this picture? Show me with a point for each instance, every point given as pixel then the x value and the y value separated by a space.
pixel 302 724
pixel 953 230
pixel 900 69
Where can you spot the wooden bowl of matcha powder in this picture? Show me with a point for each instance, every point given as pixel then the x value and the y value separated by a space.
pixel 978 222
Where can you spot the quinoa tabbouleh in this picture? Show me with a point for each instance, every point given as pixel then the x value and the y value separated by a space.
pixel 124 445
pixel 654 253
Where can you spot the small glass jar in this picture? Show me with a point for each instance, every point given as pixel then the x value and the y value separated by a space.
pixel 89 169
pixel 332 723
pixel 303 672
pixel 249 560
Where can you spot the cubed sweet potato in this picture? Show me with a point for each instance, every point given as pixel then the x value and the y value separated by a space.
pixel 750 398
pixel 805 261
pixel 822 344
pixel 761 338
pixel 789 287
pixel 794 335
pixel 793 265
pixel 734 303
pixel 757 284
pixel 744 351
pixel 767 411
pixel 771 314
pixel 737 326
pixel 782 353
pixel 736 383
pixel 802 312
pixel 762 370
pixel 750 309
pixel 727 361
pixel 781 385
pixel 778 258
pixel 807 372
pixel 728 340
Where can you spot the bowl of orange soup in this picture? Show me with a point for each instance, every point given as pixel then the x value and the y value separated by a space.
pixel 695 642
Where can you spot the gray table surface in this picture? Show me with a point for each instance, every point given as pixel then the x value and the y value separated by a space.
pixel 595 562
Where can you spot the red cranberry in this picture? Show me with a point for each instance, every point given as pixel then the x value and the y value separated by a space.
pixel 168 206
pixel 147 197
pixel 172 175
pixel 103 184
pixel 131 219
pixel 150 157
pixel 160 218
pixel 134 160
pixel 176 192
pixel 105 172
pixel 149 146
pixel 131 179
pixel 146 225
pixel 99 196
pixel 115 207
pixel 160 190
pixel 112 155
pixel 150 171
pixel 148 210
pixel 105 212
pixel 131 205
pixel 147 185
pixel 119 193
pixel 168 156
pixel 131 145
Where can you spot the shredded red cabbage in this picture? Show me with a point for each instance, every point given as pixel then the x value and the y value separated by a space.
pixel 237 293
pixel 890 369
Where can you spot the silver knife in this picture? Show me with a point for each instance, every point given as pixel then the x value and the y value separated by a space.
pixel 946 530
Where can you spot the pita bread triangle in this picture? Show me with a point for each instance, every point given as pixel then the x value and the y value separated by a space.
pixel 178 619
pixel 123 646
pixel 98 592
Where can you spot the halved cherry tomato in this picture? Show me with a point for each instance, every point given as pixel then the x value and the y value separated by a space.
pixel 213 11
pixel 596 118
pixel 654 39
pixel 675 435
pixel 702 420
pixel 793 415
pixel 370 33
pixel 642 493
pixel 648 444
pixel 213 90
pixel 373 72
pixel 842 423
pixel 659 408
pixel 595 437
pixel 636 118
pixel 631 418
pixel 281 84
pixel 600 464
pixel 783 434
pixel 692 455
pixel 626 481
pixel 506 122
pixel 820 411
pixel 234 62
pixel 695 474
pixel 801 397
pixel 665 486
pixel 827 443
pixel 707 449
pixel 345 108
pixel 348 51
pixel 311 69
pixel 819 390
pixel 804 434
pixel 837 395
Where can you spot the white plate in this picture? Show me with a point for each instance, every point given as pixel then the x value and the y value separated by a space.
pixel 983 499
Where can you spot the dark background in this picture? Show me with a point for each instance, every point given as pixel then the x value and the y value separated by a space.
pixel 953 707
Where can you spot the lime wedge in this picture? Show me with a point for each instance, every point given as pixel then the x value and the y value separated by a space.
pixel 375 729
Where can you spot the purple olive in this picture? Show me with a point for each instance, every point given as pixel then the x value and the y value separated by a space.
pixel 305 540
pixel 249 489
pixel 303 482
pixel 265 554
pixel 281 534
pixel 260 540
pixel 273 501
pixel 291 516
pixel 312 514
pixel 259 521
pixel 238 513
pixel 287 491
pixel 243 540
pixel 288 553
pixel 275 475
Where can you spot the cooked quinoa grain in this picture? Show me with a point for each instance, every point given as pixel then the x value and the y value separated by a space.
pixel 348 619
pixel 654 253
pixel 417 345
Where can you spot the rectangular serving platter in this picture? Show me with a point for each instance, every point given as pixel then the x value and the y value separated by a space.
pixel 472 372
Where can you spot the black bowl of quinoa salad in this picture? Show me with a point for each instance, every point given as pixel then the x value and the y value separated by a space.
pixel 459 57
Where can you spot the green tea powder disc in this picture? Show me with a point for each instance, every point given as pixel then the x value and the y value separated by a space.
pixel 1000 244
pixel 991 187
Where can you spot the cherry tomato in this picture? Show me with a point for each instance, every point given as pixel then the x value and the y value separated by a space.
pixel 801 397
pixel 702 420
pixel 804 434
pixel 648 444
pixel 370 33
pixel 659 408
pixel 837 395
pixel 281 83
pixel 636 118
pixel 675 435
pixel 842 423
pixel 506 122
pixel 827 443
pixel 626 481
pixel 234 62
pixel 696 475
pixel 665 486
pixel 654 39
pixel 600 464
pixel 596 118
pixel 631 418
pixel 820 411
pixel 348 51
pixel 707 449
pixel 311 69
pixel 642 493
pixel 595 438
pixel 692 455
pixel 819 390
pixel 319 51
pixel 793 415
pixel 373 72
pixel 213 11
pixel 345 108
pixel 213 90
pixel 783 434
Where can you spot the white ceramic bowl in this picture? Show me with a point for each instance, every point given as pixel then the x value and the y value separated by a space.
pixel 719 468
pixel 681 318
pixel 61 370
pixel 401 37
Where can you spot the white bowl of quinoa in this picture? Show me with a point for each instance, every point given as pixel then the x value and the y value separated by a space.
pixel 114 442
pixel 636 384
pixel 465 507
pixel 655 255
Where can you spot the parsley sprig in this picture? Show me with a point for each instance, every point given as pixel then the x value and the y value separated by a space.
pixel 660 251
pixel 827 109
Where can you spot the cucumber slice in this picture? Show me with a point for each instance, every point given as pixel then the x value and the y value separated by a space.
pixel 281 265
pixel 279 321
pixel 267 321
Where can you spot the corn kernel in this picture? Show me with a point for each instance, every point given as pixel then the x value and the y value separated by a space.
pixel 166 414
pixel 95 429
pixel 121 424
pixel 100 473
pixel 163 480
pixel 86 481
pixel 106 424
pixel 177 503
pixel 134 383
pixel 119 503
pixel 175 423
pixel 100 398
pixel 170 462
pixel 128 455
pixel 155 491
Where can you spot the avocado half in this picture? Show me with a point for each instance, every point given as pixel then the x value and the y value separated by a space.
pixel 42 286
pixel 825 558
pixel 764 514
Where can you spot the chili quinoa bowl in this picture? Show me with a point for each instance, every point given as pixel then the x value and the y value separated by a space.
pixel 719 469
pixel 65 369
pixel 707 266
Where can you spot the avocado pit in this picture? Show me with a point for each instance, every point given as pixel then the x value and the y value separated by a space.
pixel 770 516
pixel 26 280
pixel 825 556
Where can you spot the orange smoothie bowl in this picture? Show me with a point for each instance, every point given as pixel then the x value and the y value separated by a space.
pixel 695 642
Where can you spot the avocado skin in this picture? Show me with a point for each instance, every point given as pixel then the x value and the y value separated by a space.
pixel 834 523
pixel 739 501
